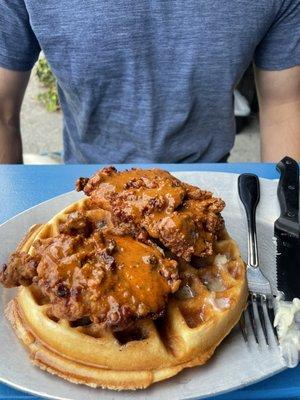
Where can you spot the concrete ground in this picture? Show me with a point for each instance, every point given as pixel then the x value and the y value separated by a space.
pixel 247 147
pixel 41 132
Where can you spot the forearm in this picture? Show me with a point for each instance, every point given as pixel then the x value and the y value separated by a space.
pixel 10 143
pixel 12 88
pixel 280 131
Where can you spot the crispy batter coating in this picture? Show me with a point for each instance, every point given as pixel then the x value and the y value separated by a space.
pixel 88 271
pixel 20 270
pixel 184 218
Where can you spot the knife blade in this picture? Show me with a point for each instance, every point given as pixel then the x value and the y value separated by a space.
pixel 287 230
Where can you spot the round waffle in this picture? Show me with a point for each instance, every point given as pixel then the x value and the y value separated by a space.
pixel 199 316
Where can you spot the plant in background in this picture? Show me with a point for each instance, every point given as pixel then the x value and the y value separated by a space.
pixel 49 98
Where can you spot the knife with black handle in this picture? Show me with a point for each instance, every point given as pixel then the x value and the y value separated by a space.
pixel 287 230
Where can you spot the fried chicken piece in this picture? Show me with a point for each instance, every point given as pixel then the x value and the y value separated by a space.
pixel 20 270
pixel 111 279
pixel 184 218
pixel 88 272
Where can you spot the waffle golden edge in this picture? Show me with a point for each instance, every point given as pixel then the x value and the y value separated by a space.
pixel 180 328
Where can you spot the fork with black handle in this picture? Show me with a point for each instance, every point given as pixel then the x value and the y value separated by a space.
pixel 260 291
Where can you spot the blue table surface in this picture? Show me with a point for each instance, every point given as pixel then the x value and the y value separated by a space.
pixel 25 186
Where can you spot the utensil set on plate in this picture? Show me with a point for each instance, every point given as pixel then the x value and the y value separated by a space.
pixel 287 234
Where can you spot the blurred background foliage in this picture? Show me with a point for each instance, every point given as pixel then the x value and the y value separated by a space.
pixel 49 97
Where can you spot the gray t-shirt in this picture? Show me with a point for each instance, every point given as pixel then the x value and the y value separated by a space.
pixel 149 80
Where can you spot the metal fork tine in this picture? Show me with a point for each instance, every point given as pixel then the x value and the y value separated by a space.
pixel 271 314
pixel 242 324
pixel 251 315
pixel 260 300
pixel 258 283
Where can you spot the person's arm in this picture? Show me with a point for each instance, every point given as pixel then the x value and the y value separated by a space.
pixel 277 60
pixel 279 104
pixel 12 88
pixel 19 50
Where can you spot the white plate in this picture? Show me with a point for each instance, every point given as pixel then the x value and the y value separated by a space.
pixel 234 365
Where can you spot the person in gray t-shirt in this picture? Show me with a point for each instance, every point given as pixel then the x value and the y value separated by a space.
pixel 153 80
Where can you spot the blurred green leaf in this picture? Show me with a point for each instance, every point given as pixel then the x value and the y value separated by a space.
pixel 49 98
